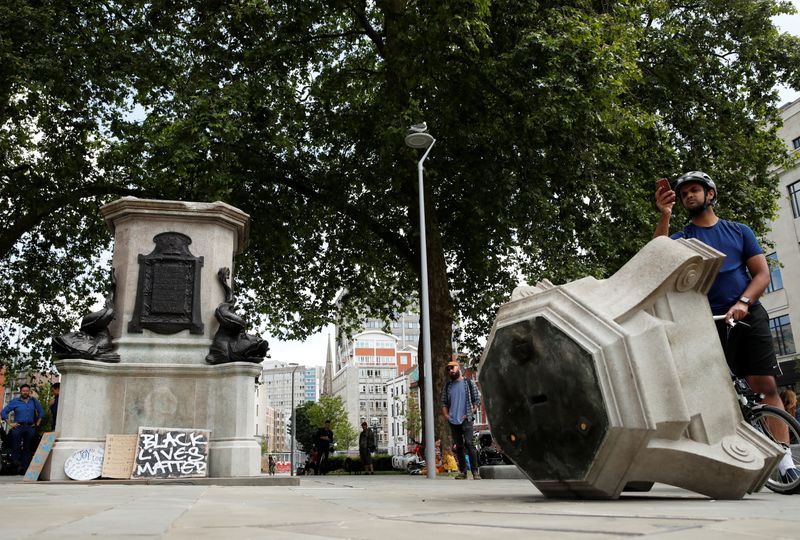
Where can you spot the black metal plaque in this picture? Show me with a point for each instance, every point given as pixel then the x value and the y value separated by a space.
pixel 168 295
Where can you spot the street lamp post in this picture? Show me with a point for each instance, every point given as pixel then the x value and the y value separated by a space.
pixel 294 427
pixel 419 139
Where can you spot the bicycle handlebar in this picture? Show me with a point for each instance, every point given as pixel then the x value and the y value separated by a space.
pixel 730 322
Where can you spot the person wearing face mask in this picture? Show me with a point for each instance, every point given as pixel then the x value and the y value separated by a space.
pixel 460 401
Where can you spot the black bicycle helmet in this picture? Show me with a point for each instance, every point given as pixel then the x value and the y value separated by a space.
pixel 701 178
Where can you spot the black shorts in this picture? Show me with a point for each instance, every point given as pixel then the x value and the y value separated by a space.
pixel 366 456
pixel 749 349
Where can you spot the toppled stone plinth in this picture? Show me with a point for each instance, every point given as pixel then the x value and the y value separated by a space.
pixel 595 384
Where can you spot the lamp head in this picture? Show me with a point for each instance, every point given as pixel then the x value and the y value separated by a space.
pixel 419 139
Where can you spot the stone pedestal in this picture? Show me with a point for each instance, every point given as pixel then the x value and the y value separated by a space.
pixel 217 232
pixel 596 384
pixel 162 379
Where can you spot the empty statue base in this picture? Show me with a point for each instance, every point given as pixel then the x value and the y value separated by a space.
pixel 117 399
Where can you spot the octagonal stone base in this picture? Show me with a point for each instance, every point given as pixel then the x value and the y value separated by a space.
pixel 98 399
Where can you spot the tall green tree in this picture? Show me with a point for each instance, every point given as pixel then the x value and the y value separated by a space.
pixel 305 428
pixel 310 416
pixel 552 120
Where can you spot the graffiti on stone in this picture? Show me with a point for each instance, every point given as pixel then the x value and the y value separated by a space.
pixel 171 453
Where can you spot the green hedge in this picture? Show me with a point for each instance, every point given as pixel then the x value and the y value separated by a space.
pixel 380 462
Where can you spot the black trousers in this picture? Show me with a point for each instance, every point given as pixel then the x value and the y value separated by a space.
pixel 463 441
pixel 322 461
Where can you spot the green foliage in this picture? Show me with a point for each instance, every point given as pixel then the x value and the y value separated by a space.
pixel 552 120
pixel 44 393
pixel 310 416
pixel 304 432
pixel 413 419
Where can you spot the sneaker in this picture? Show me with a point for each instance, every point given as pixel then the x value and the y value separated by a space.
pixel 476 475
pixel 461 476
pixel 791 475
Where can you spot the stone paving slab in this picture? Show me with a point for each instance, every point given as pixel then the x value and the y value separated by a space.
pixel 381 507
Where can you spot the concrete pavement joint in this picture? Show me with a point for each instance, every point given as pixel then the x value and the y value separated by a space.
pixel 519 528
pixel 601 515
pixel 267 525
pixel 185 511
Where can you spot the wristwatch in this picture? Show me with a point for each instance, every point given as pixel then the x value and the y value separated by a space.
pixel 744 300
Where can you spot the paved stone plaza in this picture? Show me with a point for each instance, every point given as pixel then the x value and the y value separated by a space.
pixel 382 507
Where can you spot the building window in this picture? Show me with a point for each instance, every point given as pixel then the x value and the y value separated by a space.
pixel 796 143
pixel 782 336
pixel 775 280
pixel 794 196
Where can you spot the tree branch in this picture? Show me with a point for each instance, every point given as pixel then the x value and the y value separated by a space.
pixel 360 13
pixel 319 37
pixel 12 232
pixel 333 200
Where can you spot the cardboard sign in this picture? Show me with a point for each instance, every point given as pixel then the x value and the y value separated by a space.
pixel 39 458
pixel 171 453
pixel 120 456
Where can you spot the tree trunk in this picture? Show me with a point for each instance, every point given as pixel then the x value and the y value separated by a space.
pixel 399 72
pixel 441 321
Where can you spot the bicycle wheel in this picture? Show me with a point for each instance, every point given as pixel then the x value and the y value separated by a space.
pixel 777 482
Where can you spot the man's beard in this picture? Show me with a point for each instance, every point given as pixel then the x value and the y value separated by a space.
pixel 697 210
pixel 454 375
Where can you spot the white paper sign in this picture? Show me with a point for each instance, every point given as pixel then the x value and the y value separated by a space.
pixel 86 464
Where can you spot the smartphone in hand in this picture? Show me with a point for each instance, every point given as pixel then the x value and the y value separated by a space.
pixel 662 184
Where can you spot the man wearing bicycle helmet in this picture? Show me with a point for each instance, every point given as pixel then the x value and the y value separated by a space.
pixel 734 294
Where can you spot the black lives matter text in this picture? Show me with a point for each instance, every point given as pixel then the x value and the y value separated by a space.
pixel 171 453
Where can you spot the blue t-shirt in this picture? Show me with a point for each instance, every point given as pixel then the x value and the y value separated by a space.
pixel 738 243
pixel 458 403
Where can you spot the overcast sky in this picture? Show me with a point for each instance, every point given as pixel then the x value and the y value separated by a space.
pixel 312 352
pixel 791 24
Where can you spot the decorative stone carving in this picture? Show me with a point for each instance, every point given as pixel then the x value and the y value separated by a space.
pixel 168 295
pixel 231 343
pixel 92 341
pixel 596 385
